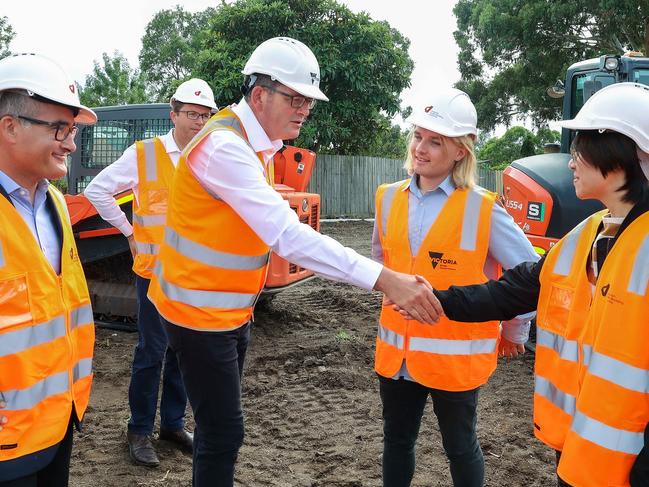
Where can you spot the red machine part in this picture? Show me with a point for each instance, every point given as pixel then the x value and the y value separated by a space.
pixel 530 205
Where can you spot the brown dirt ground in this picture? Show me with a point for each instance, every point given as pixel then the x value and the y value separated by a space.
pixel 313 414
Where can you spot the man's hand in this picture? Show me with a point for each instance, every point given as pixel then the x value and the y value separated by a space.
pixel 131 245
pixel 411 295
pixel 509 349
pixel 3 419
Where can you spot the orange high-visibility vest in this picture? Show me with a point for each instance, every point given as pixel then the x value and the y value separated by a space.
pixel 449 355
pixel 46 336
pixel 612 410
pixel 564 300
pixel 155 171
pixel 212 265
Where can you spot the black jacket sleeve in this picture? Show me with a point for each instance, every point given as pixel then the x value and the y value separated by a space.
pixel 640 471
pixel 515 293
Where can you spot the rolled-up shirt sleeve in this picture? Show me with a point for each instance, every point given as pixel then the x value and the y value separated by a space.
pixel 229 169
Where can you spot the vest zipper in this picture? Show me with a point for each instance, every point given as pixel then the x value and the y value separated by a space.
pixel 68 333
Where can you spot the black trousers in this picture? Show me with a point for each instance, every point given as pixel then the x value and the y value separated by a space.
pixel 403 407
pixel 55 474
pixel 211 364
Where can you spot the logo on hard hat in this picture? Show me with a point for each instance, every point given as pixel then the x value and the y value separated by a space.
pixel 197 93
pixel 72 88
pixel 428 109
pixel 314 78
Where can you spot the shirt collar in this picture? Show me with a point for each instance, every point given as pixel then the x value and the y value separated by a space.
pixel 446 186
pixel 169 142
pixel 11 186
pixel 256 134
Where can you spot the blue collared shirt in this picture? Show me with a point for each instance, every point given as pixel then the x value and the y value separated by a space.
pixel 39 217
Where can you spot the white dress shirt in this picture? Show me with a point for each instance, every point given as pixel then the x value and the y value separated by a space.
pixel 228 168
pixel 120 176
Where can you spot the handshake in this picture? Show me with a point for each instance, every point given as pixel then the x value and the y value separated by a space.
pixel 412 296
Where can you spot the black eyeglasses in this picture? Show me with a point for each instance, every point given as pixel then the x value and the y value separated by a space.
pixel 62 130
pixel 192 115
pixel 297 101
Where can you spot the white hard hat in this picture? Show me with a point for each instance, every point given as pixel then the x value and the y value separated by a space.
pixel 448 112
pixel 290 62
pixel 41 76
pixel 195 91
pixel 621 107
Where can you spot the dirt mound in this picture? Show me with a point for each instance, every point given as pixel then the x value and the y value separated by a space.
pixel 313 414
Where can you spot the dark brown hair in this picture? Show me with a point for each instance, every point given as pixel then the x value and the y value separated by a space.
pixel 612 151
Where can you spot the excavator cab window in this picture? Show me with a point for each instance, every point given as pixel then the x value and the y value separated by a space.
pixel 585 86
pixel 641 76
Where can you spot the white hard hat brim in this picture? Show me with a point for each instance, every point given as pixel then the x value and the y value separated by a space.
pixel 442 128
pixel 601 124
pixel 195 101
pixel 85 116
pixel 310 91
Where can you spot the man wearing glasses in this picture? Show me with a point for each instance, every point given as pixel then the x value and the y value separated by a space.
pixel 224 218
pixel 46 324
pixel 147 168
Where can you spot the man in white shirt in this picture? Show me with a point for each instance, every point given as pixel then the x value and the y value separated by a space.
pixel 223 218
pixel 147 169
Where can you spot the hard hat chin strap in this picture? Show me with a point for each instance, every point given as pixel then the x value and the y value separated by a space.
pixel 643 157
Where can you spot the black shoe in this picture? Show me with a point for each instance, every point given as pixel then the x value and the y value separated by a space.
pixel 141 450
pixel 182 438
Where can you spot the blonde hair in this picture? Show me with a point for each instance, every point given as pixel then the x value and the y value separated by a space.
pixel 465 170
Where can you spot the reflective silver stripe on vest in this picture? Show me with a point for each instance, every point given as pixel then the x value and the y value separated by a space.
pixel 83 368
pixel 146 248
pixel 81 316
pixel 564 401
pixel 587 352
pixel 567 349
pixel 568 249
pixel 20 340
pixel 150 161
pixel 390 337
pixel 452 347
pixel 386 205
pixel 619 373
pixel 640 274
pixel 2 257
pixel 17 399
pixel 149 220
pixel 203 299
pixel 471 220
pixel 606 436
pixel 211 257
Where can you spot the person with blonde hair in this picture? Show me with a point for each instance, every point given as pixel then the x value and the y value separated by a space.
pixel 439 224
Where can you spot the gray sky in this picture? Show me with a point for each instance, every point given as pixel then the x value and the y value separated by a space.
pixel 76 32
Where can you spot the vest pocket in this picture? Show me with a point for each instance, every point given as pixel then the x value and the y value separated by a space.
pixel 157 200
pixel 558 307
pixel 14 301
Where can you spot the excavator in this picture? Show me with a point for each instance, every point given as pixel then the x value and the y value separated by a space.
pixel 104 251
pixel 538 191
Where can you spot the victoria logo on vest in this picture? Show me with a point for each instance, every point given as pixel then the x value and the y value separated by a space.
pixel 605 289
pixel 437 259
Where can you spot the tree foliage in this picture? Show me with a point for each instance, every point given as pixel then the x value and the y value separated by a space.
pixel 364 64
pixel 113 83
pixel 170 47
pixel 512 50
pixel 6 36
pixel 498 152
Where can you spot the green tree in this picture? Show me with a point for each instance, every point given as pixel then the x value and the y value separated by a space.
pixel 364 64
pixel 6 36
pixel 170 47
pixel 113 83
pixel 498 152
pixel 512 50
pixel 389 141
